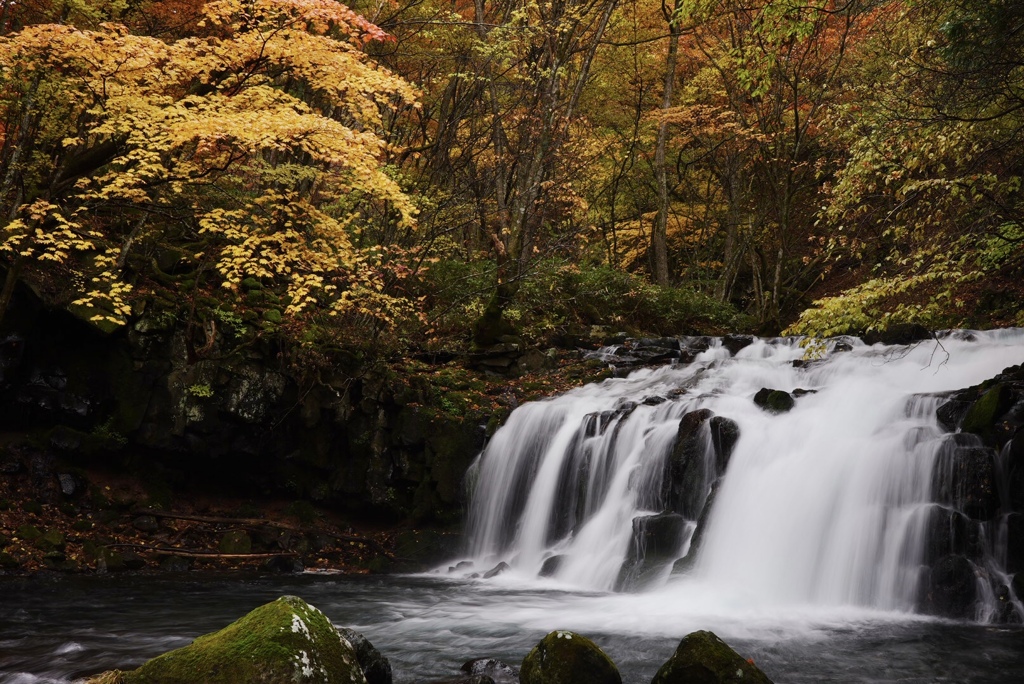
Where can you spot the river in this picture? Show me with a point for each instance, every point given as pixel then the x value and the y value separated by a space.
pixel 56 629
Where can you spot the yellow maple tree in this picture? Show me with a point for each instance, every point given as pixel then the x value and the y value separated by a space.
pixel 253 146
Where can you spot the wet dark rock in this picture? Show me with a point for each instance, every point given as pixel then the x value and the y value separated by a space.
pixel 499 672
pixel 697 538
pixel 773 400
pixel 840 347
pixel 109 560
pixel 697 344
pixel 284 565
pixel 133 561
pixel 657 343
pixel 461 566
pixel 992 410
pixel 685 470
pixel 655 543
pixel 736 343
pixel 376 668
pixel 983 415
pixel 653 401
pixel 703 658
pixel 950 532
pixel 550 566
pixel 964 478
pixel 725 432
pixel 460 679
pixel 1015 543
pixel 899 333
pixel 951 413
pixel 564 657
pixel 146 523
pixel 801 392
pixel 1017 584
pixel 657 537
pixel 70 484
pixel 497 570
pixel 1015 471
pixel 951 588
pixel 8 562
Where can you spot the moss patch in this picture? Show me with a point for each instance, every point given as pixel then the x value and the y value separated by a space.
pixel 567 658
pixel 982 415
pixel 282 642
pixel 703 658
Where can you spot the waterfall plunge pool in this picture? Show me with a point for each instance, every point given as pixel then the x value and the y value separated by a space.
pixel 57 629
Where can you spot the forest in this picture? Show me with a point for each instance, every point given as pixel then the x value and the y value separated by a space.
pixel 422 175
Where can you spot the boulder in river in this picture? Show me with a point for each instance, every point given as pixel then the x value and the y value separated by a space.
pixel 773 400
pixel 287 641
pixel 375 666
pixel 499 672
pixel 703 658
pixel 564 657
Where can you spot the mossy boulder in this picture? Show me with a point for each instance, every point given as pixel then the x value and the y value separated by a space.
pixel 703 658
pixel 235 542
pixel 983 414
pixel 284 642
pixel 773 400
pixel 568 658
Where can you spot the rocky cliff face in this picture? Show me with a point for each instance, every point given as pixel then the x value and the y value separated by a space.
pixel 975 549
pixel 199 407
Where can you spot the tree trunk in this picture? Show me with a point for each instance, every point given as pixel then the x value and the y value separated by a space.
pixel 659 236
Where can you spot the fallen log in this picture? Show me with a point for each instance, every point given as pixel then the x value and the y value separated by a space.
pixel 259 522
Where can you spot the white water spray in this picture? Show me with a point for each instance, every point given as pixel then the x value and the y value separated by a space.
pixel 824 505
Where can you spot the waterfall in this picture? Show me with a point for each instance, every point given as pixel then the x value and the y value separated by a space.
pixel 674 474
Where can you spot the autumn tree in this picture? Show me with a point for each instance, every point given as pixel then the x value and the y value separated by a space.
pixel 763 76
pixel 929 201
pixel 250 150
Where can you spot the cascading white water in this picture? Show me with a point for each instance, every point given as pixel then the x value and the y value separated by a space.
pixel 826 504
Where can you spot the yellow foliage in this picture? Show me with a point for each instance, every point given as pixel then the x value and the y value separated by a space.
pixel 200 125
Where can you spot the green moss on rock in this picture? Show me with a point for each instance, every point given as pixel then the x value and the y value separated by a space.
pixel 982 415
pixel 703 658
pixel 235 542
pixel 564 657
pixel 287 641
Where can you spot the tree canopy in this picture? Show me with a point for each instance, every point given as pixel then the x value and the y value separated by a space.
pixel 449 173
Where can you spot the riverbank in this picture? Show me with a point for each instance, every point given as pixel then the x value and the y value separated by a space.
pixel 73 501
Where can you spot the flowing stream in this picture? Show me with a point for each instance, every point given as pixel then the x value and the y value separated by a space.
pixel 799 537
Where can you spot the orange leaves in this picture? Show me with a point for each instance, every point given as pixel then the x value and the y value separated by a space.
pixel 319 17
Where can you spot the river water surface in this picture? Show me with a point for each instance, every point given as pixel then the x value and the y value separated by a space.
pixel 57 629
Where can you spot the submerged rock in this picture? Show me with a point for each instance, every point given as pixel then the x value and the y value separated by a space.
pixel 497 570
pixel 287 641
pixel 564 657
pixel 703 658
pixel 497 671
